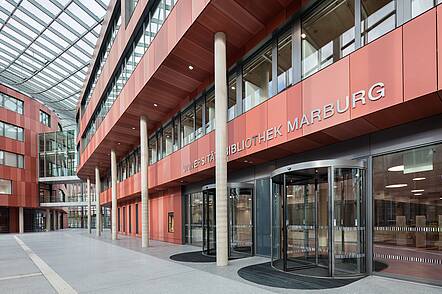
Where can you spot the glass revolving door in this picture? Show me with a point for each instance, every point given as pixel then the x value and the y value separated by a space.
pixel 240 219
pixel 318 219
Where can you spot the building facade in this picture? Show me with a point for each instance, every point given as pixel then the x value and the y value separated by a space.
pixel 22 119
pixel 325 152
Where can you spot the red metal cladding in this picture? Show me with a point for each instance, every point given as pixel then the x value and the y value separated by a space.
pixel 24 180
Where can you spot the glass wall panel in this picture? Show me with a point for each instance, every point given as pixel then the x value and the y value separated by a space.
pixel 231 95
pixel 199 132
pixel 378 18
pixel 263 245
pixel 257 79
pixel 326 34
pixel 210 111
pixel 5 186
pixel 420 6
pixel 187 126
pixel 194 219
pixel 176 133
pixel 285 72
pixel 407 233
pixel 152 150
pixel 168 139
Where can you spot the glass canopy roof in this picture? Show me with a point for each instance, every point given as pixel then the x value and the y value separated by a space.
pixel 46 47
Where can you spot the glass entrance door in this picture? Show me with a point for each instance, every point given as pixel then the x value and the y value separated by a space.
pixel 318 218
pixel 209 223
pixel 240 219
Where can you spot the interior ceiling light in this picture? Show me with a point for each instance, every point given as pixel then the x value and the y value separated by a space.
pixel 396 168
pixel 133 128
pixel 417 194
pixel 303 35
pixel 156 105
pixel 419 179
pixel 233 87
pixel 417 191
pixel 190 67
pixel 396 186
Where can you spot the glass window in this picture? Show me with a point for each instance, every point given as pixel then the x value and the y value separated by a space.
pixel 10 131
pixel 176 133
pixel 210 111
pixel 159 145
pixel 168 139
pixel 5 186
pixel 170 222
pixel 152 150
pixel 257 79
pixel 45 118
pixel 199 132
pixel 285 73
pixel 420 6
pixel 10 159
pixel 327 35
pixel 407 191
pixel 231 92
pixel 378 18
pixel 187 126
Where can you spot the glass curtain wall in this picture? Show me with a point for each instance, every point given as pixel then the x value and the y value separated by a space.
pixel 407 233
pixel 57 154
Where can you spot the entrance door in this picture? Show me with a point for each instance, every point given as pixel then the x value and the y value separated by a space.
pixel 209 223
pixel 306 210
pixel 318 218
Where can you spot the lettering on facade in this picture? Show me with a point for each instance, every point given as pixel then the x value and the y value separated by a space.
pixel 374 93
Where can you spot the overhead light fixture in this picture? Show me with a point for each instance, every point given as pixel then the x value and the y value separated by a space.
pixel 119 143
pixel 289 195
pixel 233 88
pixel 303 35
pixel 155 105
pixel 419 179
pixel 190 67
pixel 417 191
pixel 417 194
pixel 396 186
pixel 133 128
pixel 396 168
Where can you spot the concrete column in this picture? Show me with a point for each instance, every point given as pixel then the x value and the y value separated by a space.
pixel 222 258
pixel 114 194
pixel 55 221
pixel 21 221
pixel 144 185
pixel 98 206
pixel 89 214
pixel 48 220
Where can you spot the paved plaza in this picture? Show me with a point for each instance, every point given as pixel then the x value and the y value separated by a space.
pixel 72 261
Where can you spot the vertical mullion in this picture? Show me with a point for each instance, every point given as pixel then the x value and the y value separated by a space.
pixel 358 27
pixel 274 65
pixel 297 51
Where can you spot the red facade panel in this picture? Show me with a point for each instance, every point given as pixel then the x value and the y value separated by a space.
pixel 420 60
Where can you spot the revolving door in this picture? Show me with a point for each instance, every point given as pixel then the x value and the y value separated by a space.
pixel 240 219
pixel 318 218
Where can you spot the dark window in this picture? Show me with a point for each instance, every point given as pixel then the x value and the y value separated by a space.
pixel 45 118
pixel 136 218
pixel 130 219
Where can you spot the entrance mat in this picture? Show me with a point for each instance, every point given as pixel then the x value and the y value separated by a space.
pixel 265 274
pixel 197 256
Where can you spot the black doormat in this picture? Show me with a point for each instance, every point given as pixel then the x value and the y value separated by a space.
pixel 265 274
pixel 197 256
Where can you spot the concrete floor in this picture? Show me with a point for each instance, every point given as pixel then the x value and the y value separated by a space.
pixel 77 260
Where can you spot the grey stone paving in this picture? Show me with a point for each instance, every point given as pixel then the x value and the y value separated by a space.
pixel 93 265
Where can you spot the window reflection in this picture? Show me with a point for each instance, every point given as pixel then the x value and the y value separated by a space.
pixel 152 150
pixel 407 191
pixel 199 132
pixel 420 6
pixel 257 79
pixel 187 126
pixel 327 35
pixel 285 73
pixel 231 93
pixel 378 18
pixel 167 139
pixel 210 111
